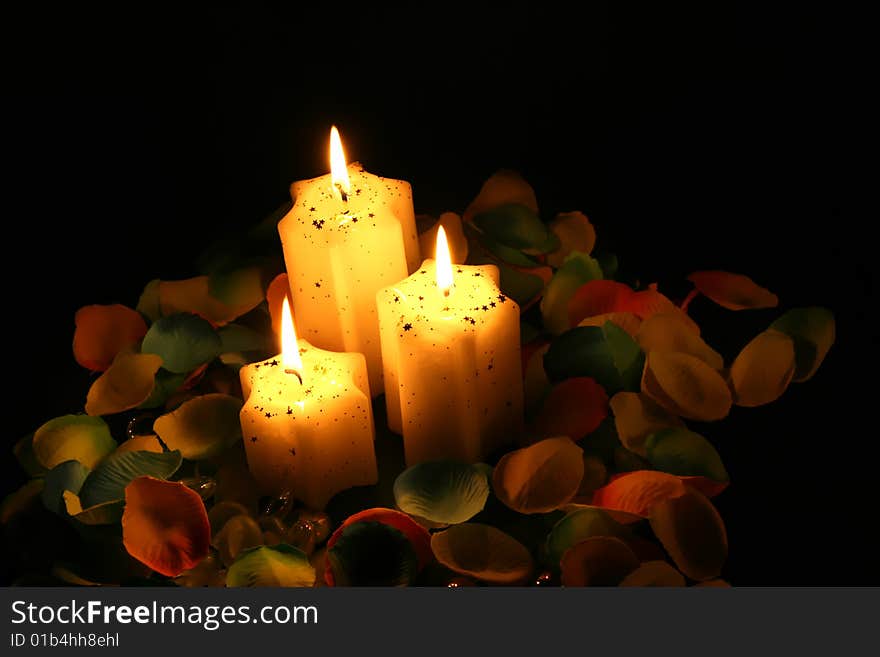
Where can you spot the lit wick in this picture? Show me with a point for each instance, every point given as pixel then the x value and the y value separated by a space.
pixel 338 167
pixel 290 357
pixel 444 263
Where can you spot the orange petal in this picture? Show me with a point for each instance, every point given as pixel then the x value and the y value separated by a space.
pixel 685 385
pixel 193 295
pixel 733 291
pixel 650 302
pixel 638 492
pixel 503 187
pixel 417 535
pixel 127 383
pixel 278 289
pixel 637 416
pixel 625 320
pixel 541 477
pixel 104 331
pixel 598 298
pixel 670 332
pixel 597 561
pixel 165 525
pixel 574 408
pixel 763 369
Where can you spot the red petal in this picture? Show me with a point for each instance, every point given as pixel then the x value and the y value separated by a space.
pixel 597 298
pixel 574 408
pixel 104 331
pixel 417 535
pixel 733 291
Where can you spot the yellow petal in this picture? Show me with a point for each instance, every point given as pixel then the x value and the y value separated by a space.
pixel 668 332
pixel 127 383
pixel 637 416
pixel 685 385
pixel 541 477
pixel 763 369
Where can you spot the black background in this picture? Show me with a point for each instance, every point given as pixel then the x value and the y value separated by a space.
pixel 712 136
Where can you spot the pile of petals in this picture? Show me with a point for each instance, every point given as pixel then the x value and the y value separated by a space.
pixel 608 487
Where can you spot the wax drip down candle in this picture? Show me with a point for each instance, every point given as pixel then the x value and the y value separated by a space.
pixel 307 421
pixel 349 234
pixel 451 352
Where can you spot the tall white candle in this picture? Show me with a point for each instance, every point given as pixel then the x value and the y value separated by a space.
pixel 451 351
pixel 307 421
pixel 348 234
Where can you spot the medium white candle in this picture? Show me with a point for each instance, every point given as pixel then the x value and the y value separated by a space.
pixel 349 234
pixel 451 351
pixel 307 421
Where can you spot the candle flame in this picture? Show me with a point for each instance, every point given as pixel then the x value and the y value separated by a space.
pixel 444 262
pixel 290 357
pixel 338 167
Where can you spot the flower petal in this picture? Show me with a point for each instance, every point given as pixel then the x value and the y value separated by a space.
pixel 184 341
pixel 575 233
pixel 597 561
pixel 667 332
pixel 812 330
pixel 201 427
pixel 763 369
pixel 625 320
pixel 684 453
pixel 581 523
pixel 279 565
pixel 654 573
pixel 573 273
pixel 639 491
pixel 104 331
pixel 574 408
pixel 80 437
pixel 483 552
pixel 444 492
pixel 165 525
pixel 541 477
pixel 637 416
pixel 685 385
pixel 127 383
pixel 733 291
pixel 502 187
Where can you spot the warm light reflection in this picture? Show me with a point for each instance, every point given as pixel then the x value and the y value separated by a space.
pixel 444 262
pixel 290 357
pixel 338 167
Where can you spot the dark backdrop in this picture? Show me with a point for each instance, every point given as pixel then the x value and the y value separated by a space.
pixel 717 137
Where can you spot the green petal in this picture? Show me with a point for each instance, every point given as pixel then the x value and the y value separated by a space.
pixel 234 337
pixel 78 437
pixel 279 565
pixel 516 226
pixel 201 427
pixel 580 525
pixel 372 554
pixel 184 341
pixel 607 354
pixel 108 481
pixel 241 288
pixel 577 269
pixel 70 476
pixel 443 492
pixel 685 453
pixel 812 330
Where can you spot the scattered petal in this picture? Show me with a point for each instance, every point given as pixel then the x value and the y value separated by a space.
pixel 24 454
pixel 127 383
pixel 541 477
pixel 503 187
pixel 597 561
pixel 221 512
pixel 579 524
pixel 575 408
pixel 483 552
pixel 637 416
pixel 371 554
pixel 685 385
pixel 598 297
pixel 763 369
pixel 165 525
pixel 692 532
pixel 667 332
pixel 201 427
pixel 517 227
pixel 638 492
pixel 733 291
pixel 80 437
pixel 443 492
pixel 107 513
pixel 193 295
pixel 279 565
pixel 238 534
pixel 575 233
pixel 241 289
pixel 140 444
pixel 812 330
pixel 536 384
pixel 104 331
pixel 148 304
pixel 184 341
pixel 573 273
pixel 107 482
pixel 682 452
pixel 417 535
pixel 458 245
pixel 654 573
pixel 625 320
pixel 606 354
pixel 67 476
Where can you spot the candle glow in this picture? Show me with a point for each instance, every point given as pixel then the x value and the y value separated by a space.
pixel 338 166
pixel 444 263
pixel 289 348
